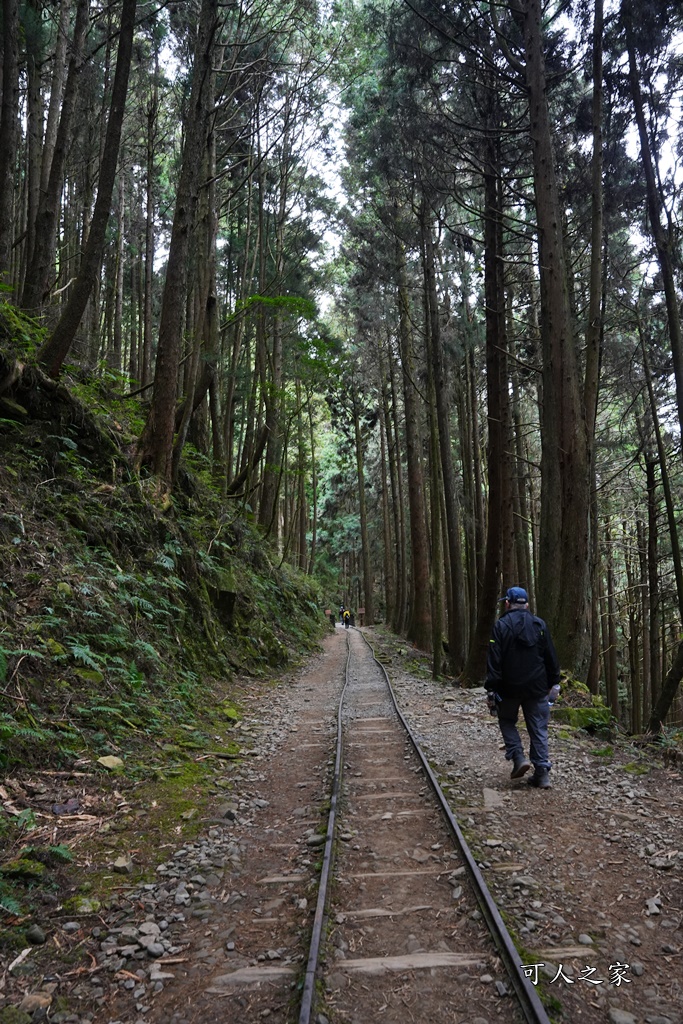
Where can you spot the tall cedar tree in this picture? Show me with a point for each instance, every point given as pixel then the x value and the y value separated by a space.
pixel 156 442
pixel 56 348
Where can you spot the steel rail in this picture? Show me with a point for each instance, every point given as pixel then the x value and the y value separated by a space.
pixel 308 990
pixel 528 998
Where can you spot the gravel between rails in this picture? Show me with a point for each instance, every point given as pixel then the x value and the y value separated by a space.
pixel 588 874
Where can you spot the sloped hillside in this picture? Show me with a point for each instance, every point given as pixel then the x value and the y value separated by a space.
pixel 129 623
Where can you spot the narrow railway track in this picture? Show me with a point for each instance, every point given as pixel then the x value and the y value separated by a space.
pixel 405 928
pixel 402 927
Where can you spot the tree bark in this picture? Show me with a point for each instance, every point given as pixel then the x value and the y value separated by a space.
pixel 564 537
pixel 34 130
pixel 155 447
pixel 456 620
pixel 9 127
pixel 368 595
pixel 37 281
pixel 661 701
pixel 665 239
pixel 669 691
pixel 400 619
pixel 497 396
pixel 314 490
pixel 55 350
pixel 420 626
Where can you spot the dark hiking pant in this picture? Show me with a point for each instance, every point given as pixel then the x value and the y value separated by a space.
pixel 536 713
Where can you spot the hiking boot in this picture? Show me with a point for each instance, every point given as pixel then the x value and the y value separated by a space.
pixel 540 780
pixel 520 768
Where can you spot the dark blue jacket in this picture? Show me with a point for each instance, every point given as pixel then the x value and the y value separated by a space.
pixel 521 659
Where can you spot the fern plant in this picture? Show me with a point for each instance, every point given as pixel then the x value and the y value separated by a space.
pixel 8 901
pixel 82 653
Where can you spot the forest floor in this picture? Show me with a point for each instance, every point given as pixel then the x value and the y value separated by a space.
pixel 588 875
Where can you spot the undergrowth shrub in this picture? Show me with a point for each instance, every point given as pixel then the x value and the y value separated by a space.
pixel 120 617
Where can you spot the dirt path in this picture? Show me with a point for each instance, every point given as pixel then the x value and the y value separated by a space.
pixel 405 937
pixel 587 874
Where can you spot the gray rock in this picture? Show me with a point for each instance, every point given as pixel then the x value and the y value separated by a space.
pixel 618 1016
pixel 35 935
pixel 123 865
pixel 149 928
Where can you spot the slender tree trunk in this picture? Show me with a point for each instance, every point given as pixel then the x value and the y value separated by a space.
pixel 302 504
pixel 669 691
pixel 611 675
pixel 59 69
pixel 594 332
pixel 399 623
pixel 478 504
pixel 38 272
pixel 646 703
pixel 34 132
pixel 634 630
pixel 523 515
pixel 420 626
pixel 456 623
pixel 665 239
pixel 368 588
pixel 653 582
pixel 274 399
pixel 434 505
pixel 661 701
pixel 497 397
pixel 55 350
pixel 314 489
pixel 436 561
pixel 205 326
pixel 156 443
pixel 595 302
pixel 117 349
pixel 564 539
pixel 467 458
pixel 148 292
pixel 593 674
pixel 389 574
pixel 9 127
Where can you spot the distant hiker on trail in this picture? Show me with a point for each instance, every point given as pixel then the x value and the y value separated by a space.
pixel 347 618
pixel 341 614
pixel 522 668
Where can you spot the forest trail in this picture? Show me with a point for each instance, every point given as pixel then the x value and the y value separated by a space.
pixel 588 874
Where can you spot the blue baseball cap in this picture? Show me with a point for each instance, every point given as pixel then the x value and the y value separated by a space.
pixel 516 595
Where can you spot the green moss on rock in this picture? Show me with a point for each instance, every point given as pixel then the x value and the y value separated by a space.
pixel 13 1015
pixel 25 868
pixel 596 717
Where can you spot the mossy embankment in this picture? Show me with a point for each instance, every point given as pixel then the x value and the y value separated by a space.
pixel 130 624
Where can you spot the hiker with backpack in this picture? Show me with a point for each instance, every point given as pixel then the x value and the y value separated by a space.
pixel 522 668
